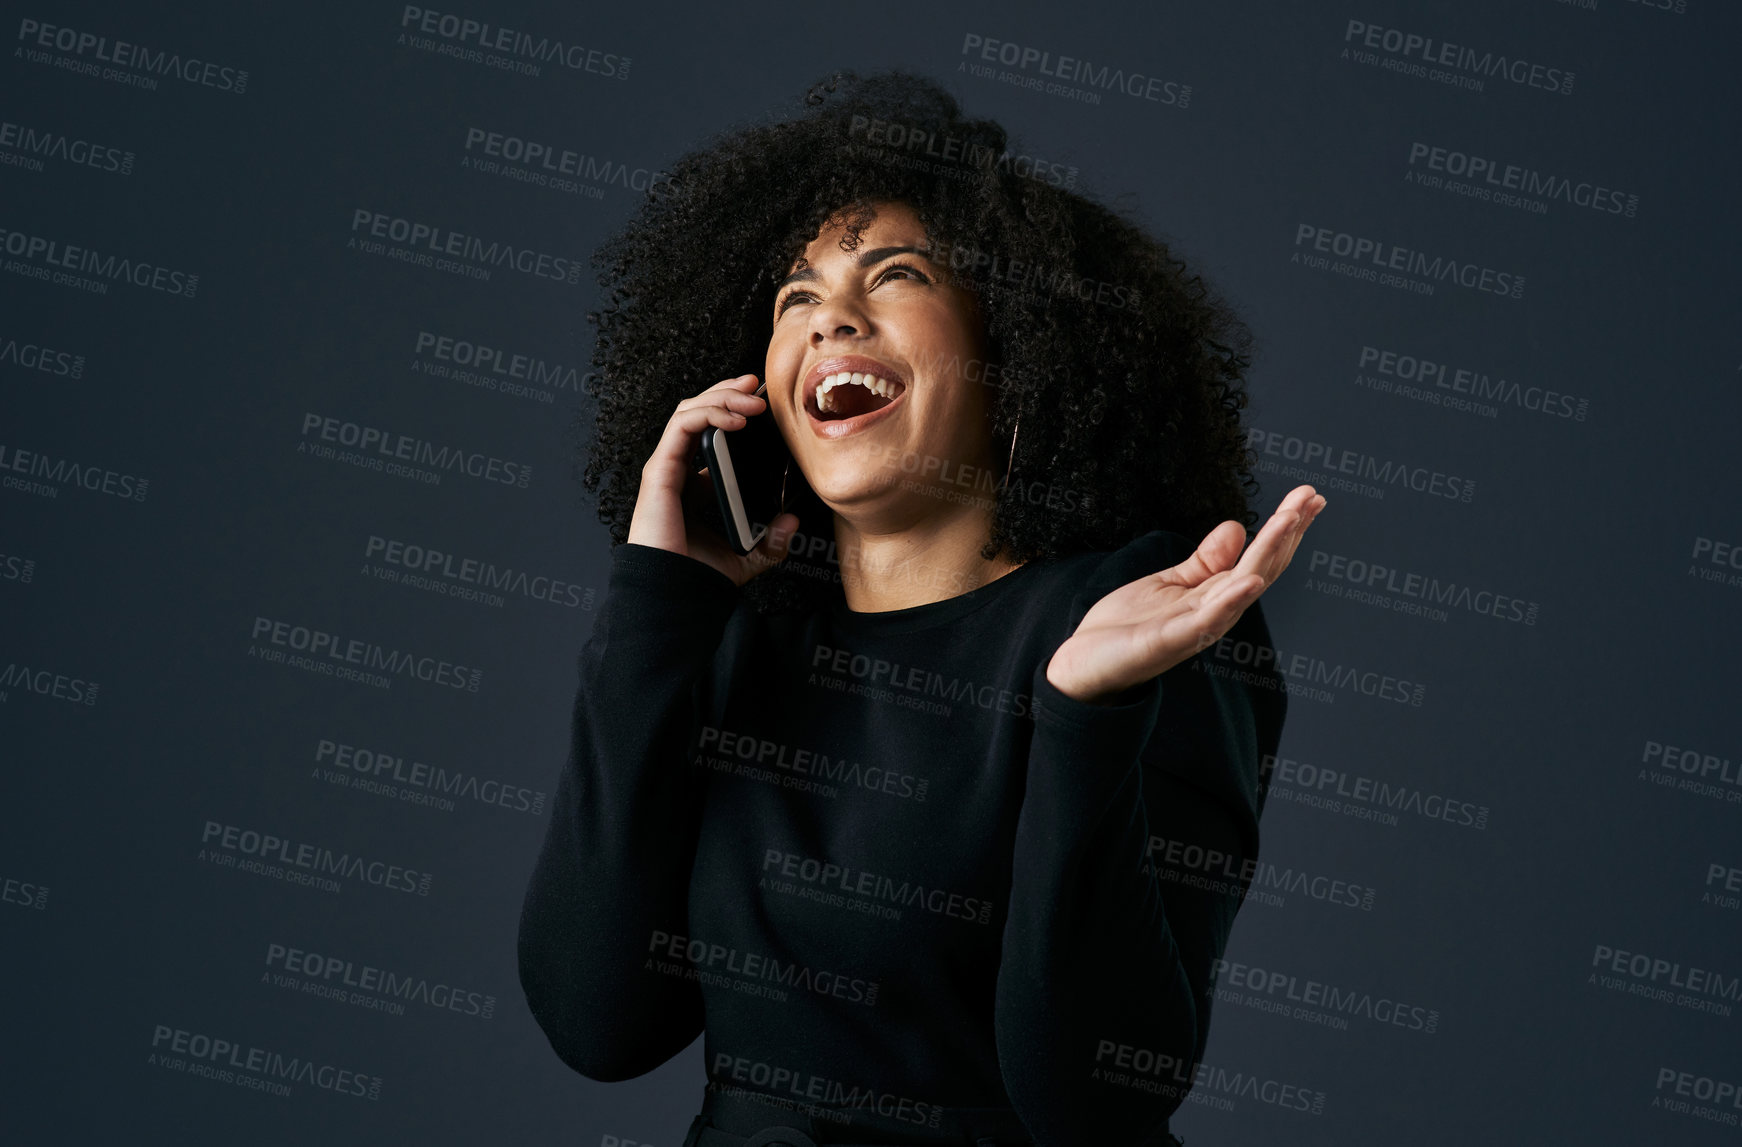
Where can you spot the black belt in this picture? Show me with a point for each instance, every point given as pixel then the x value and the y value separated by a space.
pixel 776 1125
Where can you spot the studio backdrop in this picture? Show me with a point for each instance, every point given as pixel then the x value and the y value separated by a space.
pixel 295 567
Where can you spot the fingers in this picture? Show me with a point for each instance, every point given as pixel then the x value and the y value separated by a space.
pixel 1232 590
pixel 727 405
pixel 671 457
pixel 1274 546
pixel 1270 550
pixel 1199 617
pixel 736 393
pixel 733 396
pixel 1219 610
pixel 1213 563
pixel 1311 502
pixel 772 549
pixel 1214 554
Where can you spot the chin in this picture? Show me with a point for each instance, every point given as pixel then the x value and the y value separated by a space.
pixel 847 485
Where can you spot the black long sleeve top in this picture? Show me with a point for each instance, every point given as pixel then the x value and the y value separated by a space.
pixel 883 863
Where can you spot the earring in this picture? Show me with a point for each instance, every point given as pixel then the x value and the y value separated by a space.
pixel 1011 461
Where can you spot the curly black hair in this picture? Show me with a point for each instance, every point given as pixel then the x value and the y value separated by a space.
pixel 1125 368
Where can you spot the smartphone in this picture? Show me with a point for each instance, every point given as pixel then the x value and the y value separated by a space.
pixel 750 468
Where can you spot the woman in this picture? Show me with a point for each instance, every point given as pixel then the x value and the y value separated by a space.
pixel 894 813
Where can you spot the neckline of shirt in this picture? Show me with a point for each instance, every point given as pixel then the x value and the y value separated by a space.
pixel 932 613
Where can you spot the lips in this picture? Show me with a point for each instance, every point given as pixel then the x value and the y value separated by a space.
pixel 853 406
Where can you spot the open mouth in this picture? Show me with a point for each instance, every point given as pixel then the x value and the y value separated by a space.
pixel 850 394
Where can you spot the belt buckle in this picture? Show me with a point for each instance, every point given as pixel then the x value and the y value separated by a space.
pixel 780 1137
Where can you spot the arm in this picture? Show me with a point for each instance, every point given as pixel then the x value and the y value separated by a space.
pixel 615 863
pixel 1105 966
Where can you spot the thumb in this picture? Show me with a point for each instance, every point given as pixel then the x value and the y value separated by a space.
pixel 773 548
pixel 780 532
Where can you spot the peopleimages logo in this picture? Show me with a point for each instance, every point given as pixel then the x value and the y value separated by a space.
pixel 370 446
pixel 1303 674
pixel 1719 1093
pixel 1424 57
pixel 415 782
pixel 1404 373
pixel 1364 576
pixel 26 147
pixel 343 980
pixel 478 364
pixel 1069 69
pixel 321 648
pixel 23 893
pixel 48 683
pixel 478 42
pixel 1488 178
pixel 705 961
pixel 37 357
pixel 1334 790
pixel 65 472
pixel 1194 865
pixel 16 567
pixel 1317 457
pixel 832 770
pixel 317 861
pixel 126 62
pixel 1702 773
pixel 843 886
pixel 978 265
pixel 944 153
pixel 179 1049
pixel 1375 259
pixel 1336 1001
pixel 66 264
pixel 1145 1069
pixel 1664 981
pixel 911 686
pixel 545 159
pixel 1716 560
pixel 474 572
pixel 807 1092
pixel 421 242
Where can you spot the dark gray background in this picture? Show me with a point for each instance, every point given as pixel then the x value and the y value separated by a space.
pixel 1596 520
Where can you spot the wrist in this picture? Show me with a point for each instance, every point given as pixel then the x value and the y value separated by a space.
pixel 1105 695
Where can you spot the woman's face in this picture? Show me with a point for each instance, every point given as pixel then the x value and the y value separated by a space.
pixel 868 373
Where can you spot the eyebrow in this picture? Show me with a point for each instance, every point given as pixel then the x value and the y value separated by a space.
pixel 875 255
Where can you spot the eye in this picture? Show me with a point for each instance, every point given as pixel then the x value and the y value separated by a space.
pixel 788 299
pixel 904 269
pixel 912 271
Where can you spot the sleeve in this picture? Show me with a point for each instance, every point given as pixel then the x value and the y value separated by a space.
pixel 615 864
pixel 1104 987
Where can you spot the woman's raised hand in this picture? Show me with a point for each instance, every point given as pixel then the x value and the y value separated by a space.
pixel 1146 627
pixel 667 482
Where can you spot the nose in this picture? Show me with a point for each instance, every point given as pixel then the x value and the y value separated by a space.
pixel 842 331
pixel 839 317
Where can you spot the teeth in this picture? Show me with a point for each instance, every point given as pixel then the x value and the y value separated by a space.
pixel 870 382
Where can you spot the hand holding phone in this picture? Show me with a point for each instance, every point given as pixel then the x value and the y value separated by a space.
pixel 668 476
pixel 752 469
